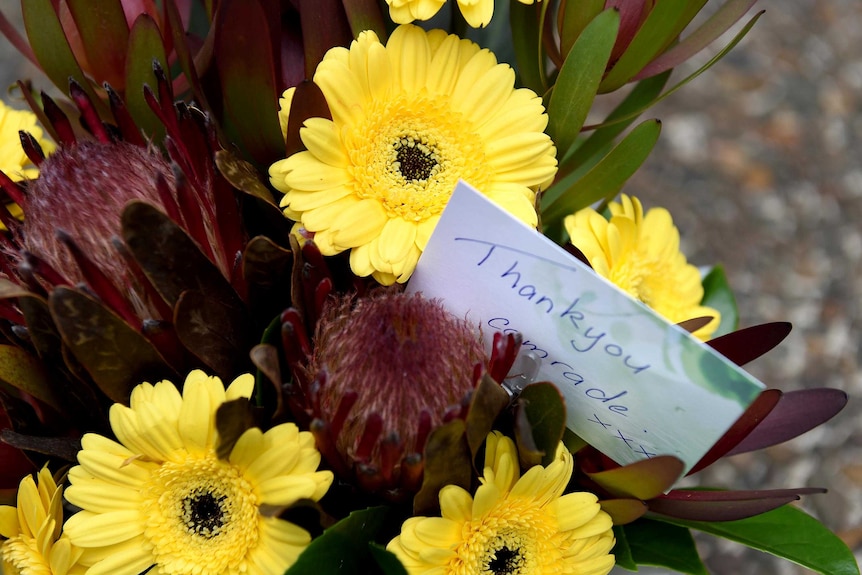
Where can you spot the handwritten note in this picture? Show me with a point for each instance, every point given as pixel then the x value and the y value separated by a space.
pixel 635 385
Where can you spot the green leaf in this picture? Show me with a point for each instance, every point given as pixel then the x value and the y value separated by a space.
pixel 663 545
pixel 145 47
pixel 717 294
pixel 105 35
pixel 657 31
pixel 785 532
pixel 712 61
pixel 22 371
pixel 629 109
pixel 386 560
pixel 579 79
pixel 604 180
pixel 525 41
pixel 246 70
pixel 576 15
pixel 344 548
pixel 51 47
pixel 621 551
pixel 545 414
pixel 717 24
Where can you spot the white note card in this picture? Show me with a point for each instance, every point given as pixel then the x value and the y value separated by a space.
pixel 635 385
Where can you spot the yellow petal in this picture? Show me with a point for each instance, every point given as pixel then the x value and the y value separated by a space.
pixel 87 529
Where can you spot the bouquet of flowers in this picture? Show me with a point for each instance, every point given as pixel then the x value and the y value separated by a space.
pixel 239 334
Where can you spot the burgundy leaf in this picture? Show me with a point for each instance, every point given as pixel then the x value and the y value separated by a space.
pixel 724 505
pixel 748 344
pixel 738 432
pixel 797 412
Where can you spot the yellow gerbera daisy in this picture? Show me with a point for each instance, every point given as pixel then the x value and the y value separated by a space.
pixel 640 254
pixel 513 525
pixel 161 497
pixel 34 544
pixel 13 160
pixel 477 13
pixel 409 119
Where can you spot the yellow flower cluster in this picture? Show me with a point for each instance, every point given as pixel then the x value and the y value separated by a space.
pixel 640 253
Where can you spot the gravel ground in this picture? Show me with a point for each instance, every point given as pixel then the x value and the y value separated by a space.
pixel 757 164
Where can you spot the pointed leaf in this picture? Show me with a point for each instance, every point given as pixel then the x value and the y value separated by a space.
pixel 213 331
pixel 308 102
pixel 116 356
pixel 344 547
pixel 105 34
pixel 626 112
pixel 365 15
pixel 386 560
pixel 643 479
pixel 242 176
pixel 717 24
pixel 324 26
pixel 718 295
pixel 266 263
pixel 65 448
pixel 657 31
pixel 447 462
pixel 605 179
pixel 184 56
pixel 753 416
pixel 49 44
pixel 624 511
pixel 574 16
pixel 233 418
pixel 170 258
pixel 711 505
pixel 789 533
pixel 797 412
pixel 579 79
pixel 545 412
pixel 246 66
pixel 488 401
pixel 621 551
pixel 22 371
pixel 145 47
pixel 524 21
pixel 663 545
pixel 748 344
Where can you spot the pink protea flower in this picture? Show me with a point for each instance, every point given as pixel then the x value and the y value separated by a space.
pixel 390 368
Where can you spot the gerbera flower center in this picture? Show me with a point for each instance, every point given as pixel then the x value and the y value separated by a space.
pixel 205 513
pixel 504 560
pixel 409 153
pixel 414 160
pixel 200 512
pixel 516 537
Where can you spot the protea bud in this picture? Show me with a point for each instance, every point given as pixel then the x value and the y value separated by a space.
pixel 80 193
pixel 388 369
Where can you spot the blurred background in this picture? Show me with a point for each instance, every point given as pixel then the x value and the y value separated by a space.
pixel 759 163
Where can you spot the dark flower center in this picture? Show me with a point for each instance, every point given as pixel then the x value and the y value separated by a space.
pixel 416 161
pixel 204 513
pixel 506 562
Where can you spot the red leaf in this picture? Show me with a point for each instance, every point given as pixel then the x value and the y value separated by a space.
pixel 748 344
pixel 724 505
pixel 797 412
